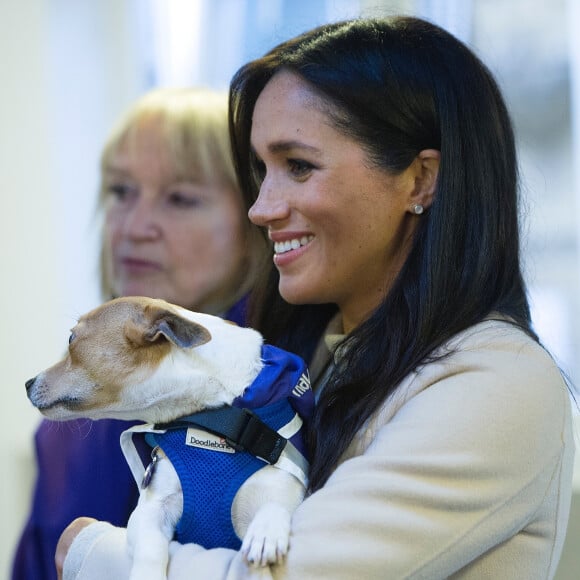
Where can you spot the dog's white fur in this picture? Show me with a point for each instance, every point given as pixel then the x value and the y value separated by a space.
pixel 145 359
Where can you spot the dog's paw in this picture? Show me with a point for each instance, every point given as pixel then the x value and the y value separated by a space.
pixel 267 539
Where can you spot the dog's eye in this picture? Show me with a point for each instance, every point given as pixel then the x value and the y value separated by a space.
pixel 71 337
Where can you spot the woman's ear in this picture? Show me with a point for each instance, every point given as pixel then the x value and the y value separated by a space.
pixel 426 172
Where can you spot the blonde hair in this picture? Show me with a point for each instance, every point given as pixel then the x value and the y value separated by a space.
pixel 193 125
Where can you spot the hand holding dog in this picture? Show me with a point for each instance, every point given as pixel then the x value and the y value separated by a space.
pixel 66 539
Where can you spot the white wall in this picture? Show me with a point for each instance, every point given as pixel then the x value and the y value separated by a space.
pixel 67 69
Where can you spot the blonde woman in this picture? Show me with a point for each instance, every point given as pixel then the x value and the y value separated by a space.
pixel 174 227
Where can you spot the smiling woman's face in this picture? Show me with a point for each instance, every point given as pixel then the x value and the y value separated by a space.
pixel 169 237
pixel 341 228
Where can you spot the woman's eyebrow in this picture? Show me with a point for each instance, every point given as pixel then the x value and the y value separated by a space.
pixel 113 168
pixel 285 146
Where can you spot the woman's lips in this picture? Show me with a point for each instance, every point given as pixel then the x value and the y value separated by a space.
pixel 139 266
pixel 290 248
pixel 292 244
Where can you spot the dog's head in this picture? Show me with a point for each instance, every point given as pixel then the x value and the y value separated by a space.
pixel 146 359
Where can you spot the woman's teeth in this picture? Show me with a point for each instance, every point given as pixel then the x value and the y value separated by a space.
pixel 283 247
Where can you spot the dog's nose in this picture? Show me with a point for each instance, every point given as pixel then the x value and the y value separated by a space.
pixel 29 383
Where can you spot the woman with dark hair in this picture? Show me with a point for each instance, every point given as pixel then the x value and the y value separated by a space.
pixel 379 158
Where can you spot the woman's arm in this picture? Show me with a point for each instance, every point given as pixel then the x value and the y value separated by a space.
pixel 444 480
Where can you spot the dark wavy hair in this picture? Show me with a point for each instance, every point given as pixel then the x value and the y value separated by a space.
pixel 398 86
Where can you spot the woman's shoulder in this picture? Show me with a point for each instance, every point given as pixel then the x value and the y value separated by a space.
pixel 496 354
pixel 493 369
pixel 500 350
pixel 495 328
pixel 490 386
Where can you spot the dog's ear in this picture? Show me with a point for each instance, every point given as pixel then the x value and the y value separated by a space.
pixel 180 331
pixel 166 325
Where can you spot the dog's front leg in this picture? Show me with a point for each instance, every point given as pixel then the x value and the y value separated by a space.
pixel 152 524
pixel 261 514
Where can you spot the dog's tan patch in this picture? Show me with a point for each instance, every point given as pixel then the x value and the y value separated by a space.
pixel 110 346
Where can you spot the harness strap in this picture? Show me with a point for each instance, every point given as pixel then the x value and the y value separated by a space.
pixel 240 427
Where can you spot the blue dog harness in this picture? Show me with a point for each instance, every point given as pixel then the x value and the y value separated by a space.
pixel 281 398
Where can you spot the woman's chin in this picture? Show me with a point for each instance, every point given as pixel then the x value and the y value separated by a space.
pixel 143 289
pixel 297 294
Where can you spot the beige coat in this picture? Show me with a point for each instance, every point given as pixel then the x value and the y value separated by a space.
pixel 465 473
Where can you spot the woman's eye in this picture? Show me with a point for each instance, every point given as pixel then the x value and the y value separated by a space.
pixel 299 168
pixel 121 191
pixel 181 200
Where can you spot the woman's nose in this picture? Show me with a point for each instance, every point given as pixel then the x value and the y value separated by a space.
pixel 269 206
pixel 142 220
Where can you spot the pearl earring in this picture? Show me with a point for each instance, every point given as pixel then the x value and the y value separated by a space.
pixel 418 209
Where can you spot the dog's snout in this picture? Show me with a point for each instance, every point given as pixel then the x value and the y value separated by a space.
pixel 29 383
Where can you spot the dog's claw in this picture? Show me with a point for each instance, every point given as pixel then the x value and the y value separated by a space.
pixel 266 541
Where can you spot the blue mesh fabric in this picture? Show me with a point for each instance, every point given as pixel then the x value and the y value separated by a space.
pixel 210 480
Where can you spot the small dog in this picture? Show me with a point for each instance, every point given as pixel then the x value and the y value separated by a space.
pixel 145 359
